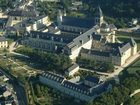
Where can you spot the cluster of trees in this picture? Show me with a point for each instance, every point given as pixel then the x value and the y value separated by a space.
pixel 118 12
pixel 121 92
pixel 44 95
pixel 116 96
pixel 4 4
pixel 50 61
pixel 135 100
pixel 118 8
pixel 92 64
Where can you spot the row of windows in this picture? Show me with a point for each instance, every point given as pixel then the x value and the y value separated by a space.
pixel 76 89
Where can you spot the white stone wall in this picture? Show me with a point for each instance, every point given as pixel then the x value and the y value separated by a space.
pixel 50 83
pixel 71 73
pixel 75 94
pixel 96 57
pixel 134 50
pixel 125 56
pixel 3 44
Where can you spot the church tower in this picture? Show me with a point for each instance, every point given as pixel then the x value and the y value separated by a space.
pixel 98 16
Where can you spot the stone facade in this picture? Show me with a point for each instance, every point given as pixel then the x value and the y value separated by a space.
pixel 79 91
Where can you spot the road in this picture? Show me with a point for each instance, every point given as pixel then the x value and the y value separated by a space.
pixel 19 89
pixel 135 92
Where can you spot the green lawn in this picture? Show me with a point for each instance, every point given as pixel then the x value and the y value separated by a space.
pixel 134 67
pixel 125 38
pixel 16 69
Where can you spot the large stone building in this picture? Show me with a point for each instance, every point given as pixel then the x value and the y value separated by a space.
pixel 86 90
pixel 116 53
pixel 75 36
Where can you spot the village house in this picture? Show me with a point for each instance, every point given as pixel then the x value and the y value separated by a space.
pixel 3 42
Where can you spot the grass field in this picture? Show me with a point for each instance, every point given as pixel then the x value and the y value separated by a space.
pixel 134 67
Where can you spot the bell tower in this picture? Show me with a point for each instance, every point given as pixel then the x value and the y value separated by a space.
pixel 98 16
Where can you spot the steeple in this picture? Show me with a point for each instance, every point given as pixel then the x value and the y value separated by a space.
pixel 98 16
pixel 98 12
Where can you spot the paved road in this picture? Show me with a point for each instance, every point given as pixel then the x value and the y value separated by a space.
pixel 130 29
pixel 135 92
pixel 19 89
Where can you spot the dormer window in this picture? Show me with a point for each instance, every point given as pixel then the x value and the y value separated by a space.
pixel 52 38
pixel 89 36
pixel 61 39
pixel 81 41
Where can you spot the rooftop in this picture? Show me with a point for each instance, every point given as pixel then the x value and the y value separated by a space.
pixel 77 22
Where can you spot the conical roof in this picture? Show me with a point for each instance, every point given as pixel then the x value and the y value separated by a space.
pixel 98 12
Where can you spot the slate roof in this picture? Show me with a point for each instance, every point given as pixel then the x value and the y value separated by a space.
pixel 53 76
pixel 77 22
pixel 96 52
pixel 119 48
pixel 49 36
pixel 85 37
pixel 2 39
pixel 92 79
pixel 77 87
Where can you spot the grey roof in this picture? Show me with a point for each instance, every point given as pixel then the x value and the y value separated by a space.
pixel 124 48
pixel 85 37
pixel 49 36
pixel 73 67
pixel 77 87
pixel 2 39
pixel 22 13
pixel 96 52
pixel 31 20
pixel 53 76
pixel 119 48
pixel 112 27
pixel 77 22
pixel 98 12
pixel 92 79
